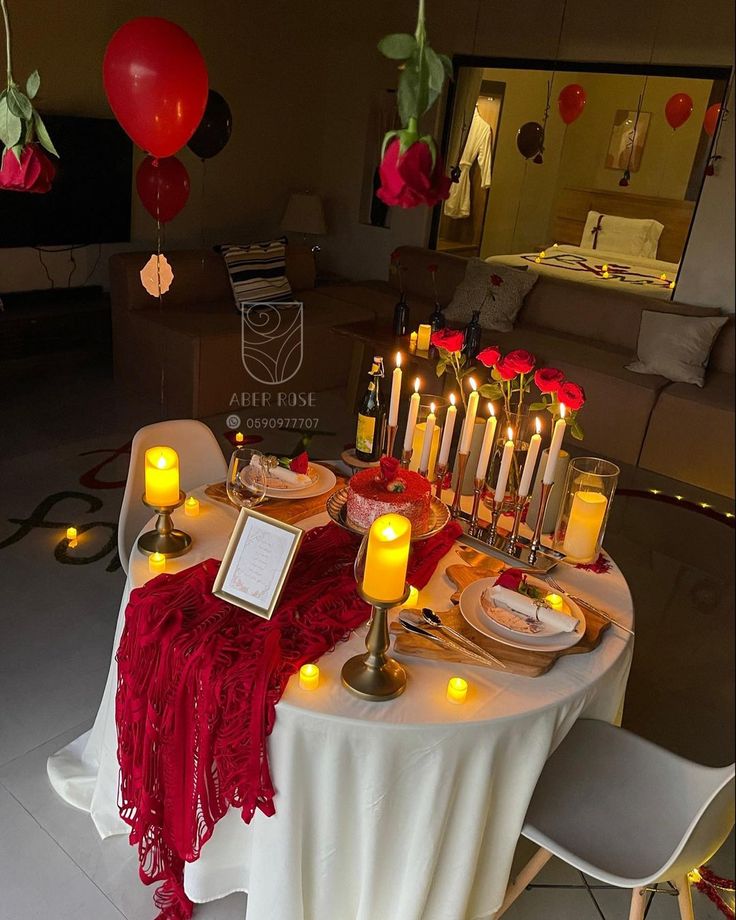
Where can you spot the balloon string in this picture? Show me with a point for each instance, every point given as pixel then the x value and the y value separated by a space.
pixel 201 203
pixel 518 205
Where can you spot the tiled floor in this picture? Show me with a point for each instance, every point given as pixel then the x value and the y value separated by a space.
pixel 54 653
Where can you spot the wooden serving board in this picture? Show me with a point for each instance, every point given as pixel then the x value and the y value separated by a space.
pixel 527 662
pixel 290 511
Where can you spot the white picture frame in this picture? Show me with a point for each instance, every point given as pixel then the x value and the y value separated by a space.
pixel 257 562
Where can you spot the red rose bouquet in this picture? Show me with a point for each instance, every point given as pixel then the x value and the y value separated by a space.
pixel 449 343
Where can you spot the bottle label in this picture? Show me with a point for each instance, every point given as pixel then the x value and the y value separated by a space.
pixel 365 434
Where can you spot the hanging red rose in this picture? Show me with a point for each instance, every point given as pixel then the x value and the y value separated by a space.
pixel 505 371
pixel 548 379
pixel 34 173
pixel 410 179
pixel 572 395
pixel 520 361
pixel 490 355
pixel 449 339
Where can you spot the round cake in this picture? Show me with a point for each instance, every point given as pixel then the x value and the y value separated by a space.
pixel 388 490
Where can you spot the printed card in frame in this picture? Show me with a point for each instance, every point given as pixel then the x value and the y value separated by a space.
pixel 257 562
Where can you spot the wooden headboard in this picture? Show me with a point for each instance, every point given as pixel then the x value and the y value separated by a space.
pixel 573 205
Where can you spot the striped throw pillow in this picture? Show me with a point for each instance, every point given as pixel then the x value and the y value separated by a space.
pixel 258 271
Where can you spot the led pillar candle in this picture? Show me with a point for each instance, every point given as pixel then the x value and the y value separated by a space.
pixel 411 421
pixel 583 529
pixel 418 443
pixel 429 435
pixel 309 677
pixel 457 690
pixel 191 506
pixel 447 432
pixel 162 477
pixel 554 448
pixel 386 558
pixel 503 473
pixel 156 563
pixel 393 409
pixel 531 461
pixel 424 334
pixel 487 446
pixel 467 435
pixel 413 342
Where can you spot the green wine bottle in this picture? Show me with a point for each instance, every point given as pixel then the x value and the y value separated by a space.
pixel 371 417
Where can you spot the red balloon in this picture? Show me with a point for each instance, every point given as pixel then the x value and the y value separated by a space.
pixel 710 122
pixel 156 83
pixel 678 109
pixel 163 187
pixel 571 102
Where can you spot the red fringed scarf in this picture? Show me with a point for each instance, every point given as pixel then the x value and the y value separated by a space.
pixel 198 683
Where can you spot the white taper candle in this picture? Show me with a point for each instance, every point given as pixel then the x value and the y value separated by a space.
pixel 447 432
pixel 531 461
pixel 554 448
pixel 393 409
pixel 427 442
pixel 487 446
pixel 503 473
pixel 411 422
pixel 467 435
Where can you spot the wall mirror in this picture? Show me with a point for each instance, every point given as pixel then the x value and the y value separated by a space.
pixel 598 188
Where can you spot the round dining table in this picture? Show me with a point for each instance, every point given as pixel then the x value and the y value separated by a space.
pixel 405 809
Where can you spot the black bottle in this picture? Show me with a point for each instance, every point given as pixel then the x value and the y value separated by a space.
pixel 401 317
pixel 371 414
pixel 471 339
pixel 437 318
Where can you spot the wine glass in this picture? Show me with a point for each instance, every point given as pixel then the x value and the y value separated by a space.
pixel 247 477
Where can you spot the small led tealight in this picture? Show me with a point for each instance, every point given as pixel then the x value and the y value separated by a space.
pixel 555 601
pixel 663 276
pixel 672 285
pixel 457 690
pixel 538 259
pixel 309 677
pixel 156 563
pixel 413 599
pixel 191 506
pixel 71 533
pixel 239 438
pixel 543 254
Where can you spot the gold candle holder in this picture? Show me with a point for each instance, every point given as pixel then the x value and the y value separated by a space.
pixel 462 462
pixel 165 539
pixel 537 537
pixel 390 439
pixel 440 471
pixel 374 676
pixel 406 456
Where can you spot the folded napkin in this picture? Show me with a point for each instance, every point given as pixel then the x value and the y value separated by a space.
pixel 529 607
pixel 287 476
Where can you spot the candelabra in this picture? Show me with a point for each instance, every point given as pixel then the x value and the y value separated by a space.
pixel 440 471
pixel 462 462
pixel 406 456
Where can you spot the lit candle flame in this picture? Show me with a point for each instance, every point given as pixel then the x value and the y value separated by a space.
pixel 452 398
pixel 431 408
pixel 416 385
pixel 538 425
pixel 563 410
pixel 398 359
pixel 161 462
pixel 491 410
pixel 510 432
pixel 472 383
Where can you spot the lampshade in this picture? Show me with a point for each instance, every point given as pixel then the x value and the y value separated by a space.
pixel 304 214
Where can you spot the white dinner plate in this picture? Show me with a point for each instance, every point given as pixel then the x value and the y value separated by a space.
pixel 546 640
pixel 323 481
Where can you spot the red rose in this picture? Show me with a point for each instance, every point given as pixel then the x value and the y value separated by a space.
pixel 389 468
pixel 490 355
pixel 300 463
pixel 511 579
pixel 548 379
pixel 572 395
pixel 408 179
pixel 505 370
pixel 34 173
pixel 449 339
pixel 496 280
pixel 521 361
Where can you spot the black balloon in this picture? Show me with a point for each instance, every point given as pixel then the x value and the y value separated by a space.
pixel 214 130
pixel 530 139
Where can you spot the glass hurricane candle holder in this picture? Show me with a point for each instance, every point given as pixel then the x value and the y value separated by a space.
pixel 522 425
pixel 440 410
pixel 584 509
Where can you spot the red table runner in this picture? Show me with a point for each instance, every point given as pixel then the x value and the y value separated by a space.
pixel 198 683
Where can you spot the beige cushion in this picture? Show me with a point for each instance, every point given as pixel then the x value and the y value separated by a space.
pixel 496 290
pixel 677 347
pixel 626 235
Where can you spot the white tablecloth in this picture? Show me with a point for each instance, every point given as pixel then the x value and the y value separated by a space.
pixel 410 808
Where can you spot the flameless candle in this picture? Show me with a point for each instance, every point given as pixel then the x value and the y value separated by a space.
pixel 424 333
pixel 413 342
pixel 239 438
pixel 418 443
pixel 162 476
pixel 428 437
pixel 309 677
pixel 487 446
pixel 586 519
pixel 387 557
pixel 543 254
pixel 554 449
pixel 535 443
pixel 156 563
pixel 457 690
pixel 672 285
pixel 663 276
pixel 393 410
pixel 447 432
pixel 537 260
pixel 467 436
pixel 413 599
pixel 555 601
pixel 191 506
pixel 71 533
pixel 412 420
pixel 503 474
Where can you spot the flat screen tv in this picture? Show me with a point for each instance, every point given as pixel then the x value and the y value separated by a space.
pixel 90 198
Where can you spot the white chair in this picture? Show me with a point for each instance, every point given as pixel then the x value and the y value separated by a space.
pixel 626 812
pixel 200 461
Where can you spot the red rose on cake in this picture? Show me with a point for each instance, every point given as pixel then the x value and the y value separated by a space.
pixel 572 395
pixel 489 356
pixel 449 339
pixel 548 379
pixel 521 361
